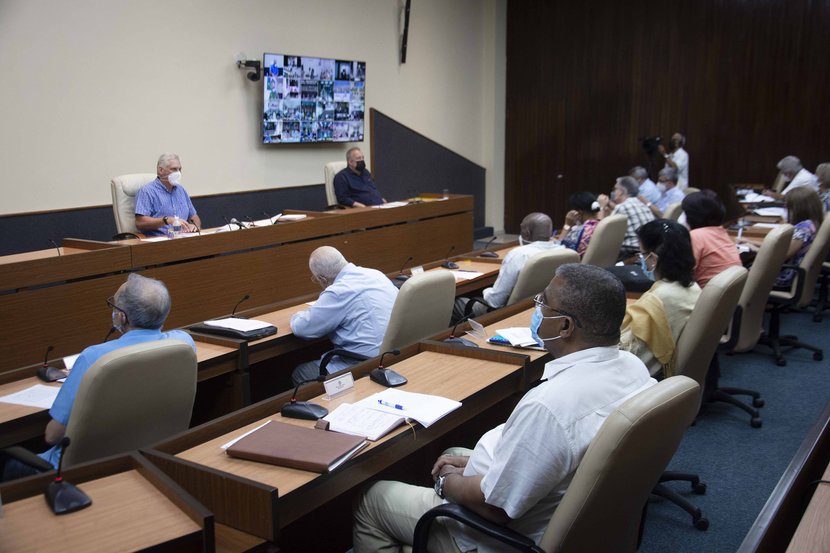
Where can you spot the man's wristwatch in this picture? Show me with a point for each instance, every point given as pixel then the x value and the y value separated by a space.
pixel 439 485
pixel 164 219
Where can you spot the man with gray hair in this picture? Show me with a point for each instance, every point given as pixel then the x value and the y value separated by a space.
pixel 670 193
pixel 677 159
pixel 354 186
pixel 519 471
pixel 624 201
pixel 139 308
pixel 795 174
pixel 648 190
pixel 353 310
pixel 159 202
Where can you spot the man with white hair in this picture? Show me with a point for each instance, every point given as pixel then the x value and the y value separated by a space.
pixel 353 310
pixel 648 190
pixel 139 309
pixel 677 159
pixel 670 193
pixel 795 174
pixel 160 201
pixel 623 201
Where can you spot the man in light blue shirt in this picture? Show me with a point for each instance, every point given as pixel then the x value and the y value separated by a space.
pixel 648 189
pixel 139 309
pixel 536 229
pixel 159 202
pixel 670 193
pixel 353 310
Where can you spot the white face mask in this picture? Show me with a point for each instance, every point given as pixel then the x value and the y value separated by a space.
pixel 661 187
pixel 175 178
pixel 116 322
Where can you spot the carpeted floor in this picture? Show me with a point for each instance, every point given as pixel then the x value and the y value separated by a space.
pixel 741 465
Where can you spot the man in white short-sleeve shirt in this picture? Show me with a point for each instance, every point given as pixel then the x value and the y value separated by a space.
pixel 519 471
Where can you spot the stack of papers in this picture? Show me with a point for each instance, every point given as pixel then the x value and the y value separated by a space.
pixel 35 396
pixel 462 274
pixel 242 325
pixel 771 211
pixel 519 337
pixel 424 408
pixel 357 420
pixel 752 197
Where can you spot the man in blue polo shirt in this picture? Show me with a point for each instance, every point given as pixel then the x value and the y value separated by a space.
pixel 354 186
pixel 139 309
pixel 158 202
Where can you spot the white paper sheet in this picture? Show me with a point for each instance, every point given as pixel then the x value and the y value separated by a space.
pixel 518 336
pixel 461 274
pixel 242 325
pixel 390 205
pixel 34 396
pixel 424 408
pixel 772 211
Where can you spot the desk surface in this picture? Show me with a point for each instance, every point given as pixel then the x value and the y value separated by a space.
pixel 127 513
pixel 813 533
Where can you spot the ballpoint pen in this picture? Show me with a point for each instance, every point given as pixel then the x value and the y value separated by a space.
pixel 392 405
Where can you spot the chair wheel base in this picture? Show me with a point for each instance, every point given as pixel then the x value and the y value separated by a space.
pixel 699 488
pixel 818 356
pixel 758 402
pixel 756 422
pixel 781 362
pixel 702 523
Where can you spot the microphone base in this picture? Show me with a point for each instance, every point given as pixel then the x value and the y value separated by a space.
pixel 461 341
pixel 387 377
pixel 63 497
pixel 50 374
pixel 303 410
pixel 488 254
pixel 449 265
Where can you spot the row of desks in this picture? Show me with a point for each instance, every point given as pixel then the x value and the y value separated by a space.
pixel 250 501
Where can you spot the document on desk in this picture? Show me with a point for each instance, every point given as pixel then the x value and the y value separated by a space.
pixel 519 336
pixel 463 274
pixel 424 408
pixel 35 396
pixel 771 211
pixel 357 420
pixel 753 197
pixel 242 325
pixel 390 205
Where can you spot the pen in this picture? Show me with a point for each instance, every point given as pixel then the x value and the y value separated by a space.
pixel 392 405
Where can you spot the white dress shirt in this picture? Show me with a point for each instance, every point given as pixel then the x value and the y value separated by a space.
pixel 511 266
pixel 649 190
pixel 680 157
pixel 802 178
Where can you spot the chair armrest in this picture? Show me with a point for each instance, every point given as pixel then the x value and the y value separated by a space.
pixel 498 532
pixel 468 309
pixel 324 362
pixel 800 275
pixel 27 458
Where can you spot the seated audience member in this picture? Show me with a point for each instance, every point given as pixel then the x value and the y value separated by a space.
pixel 580 222
pixel 519 471
pixel 354 186
pixel 534 237
pixel 139 308
pixel 654 322
pixel 648 189
pixel 353 310
pixel 677 159
pixel 714 250
pixel 624 201
pixel 806 215
pixel 794 174
pixel 823 176
pixel 670 193
pixel 158 202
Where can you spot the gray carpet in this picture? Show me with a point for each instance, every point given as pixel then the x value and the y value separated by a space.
pixel 741 465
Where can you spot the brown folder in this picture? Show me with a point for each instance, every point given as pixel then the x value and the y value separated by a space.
pixel 293 446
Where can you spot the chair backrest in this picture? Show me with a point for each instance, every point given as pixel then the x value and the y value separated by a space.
pixel 423 308
pixel 132 397
pixel 329 171
pixel 603 505
pixel 691 190
pixel 709 320
pixel 673 212
pixel 759 283
pixel 606 241
pixel 812 262
pixel 124 188
pixel 538 271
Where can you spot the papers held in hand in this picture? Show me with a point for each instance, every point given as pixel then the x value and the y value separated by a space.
pixel 234 327
pixel 293 446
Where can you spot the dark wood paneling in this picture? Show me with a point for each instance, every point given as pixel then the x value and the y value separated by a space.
pixel 745 81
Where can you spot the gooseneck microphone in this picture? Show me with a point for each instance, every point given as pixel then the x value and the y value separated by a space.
pixel 236 222
pixel 62 496
pixel 486 253
pixel 447 264
pixel 227 222
pixel 453 339
pixel 246 297
pixel 47 373
pixel 56 246
pixel 387 377
pixel 402 277
pixel 304 409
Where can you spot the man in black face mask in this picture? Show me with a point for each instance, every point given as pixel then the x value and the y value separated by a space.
pixel 354 186
pixel 677 159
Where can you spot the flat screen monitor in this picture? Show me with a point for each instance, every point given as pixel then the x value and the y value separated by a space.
pixel 309 99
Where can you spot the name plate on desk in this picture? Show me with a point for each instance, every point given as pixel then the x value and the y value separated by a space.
pixel 339 385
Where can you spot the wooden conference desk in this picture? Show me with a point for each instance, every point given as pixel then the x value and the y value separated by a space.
pixel 47 299
pixel 260 499
pixel 134 507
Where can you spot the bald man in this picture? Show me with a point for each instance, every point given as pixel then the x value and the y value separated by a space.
pixel 536 230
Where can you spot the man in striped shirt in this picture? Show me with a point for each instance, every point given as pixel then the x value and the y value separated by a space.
pixel 624 200
pixel 159 202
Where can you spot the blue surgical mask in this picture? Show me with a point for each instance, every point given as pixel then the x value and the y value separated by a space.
pixel 644 266
pixel 536 322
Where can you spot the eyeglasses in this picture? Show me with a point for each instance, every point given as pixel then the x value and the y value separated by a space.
pixel 539 300
pixel 111 304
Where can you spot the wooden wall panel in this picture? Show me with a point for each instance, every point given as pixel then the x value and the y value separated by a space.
pixel 746 81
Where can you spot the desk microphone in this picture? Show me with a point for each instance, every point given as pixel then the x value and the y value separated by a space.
pixel 485 253
pixel 401 278
pixel 387 377
pixel 304 409
pixel 227 222
pixel 453 339
pixel 236 222
pixel 235 307
pixel 447 264
pixel 47 373
pixel 198 230
pixel 56 247
pixel 62 496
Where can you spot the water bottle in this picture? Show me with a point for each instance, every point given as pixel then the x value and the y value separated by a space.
pixel 177 226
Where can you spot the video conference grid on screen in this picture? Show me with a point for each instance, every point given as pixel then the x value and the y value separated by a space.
pixel 312 99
